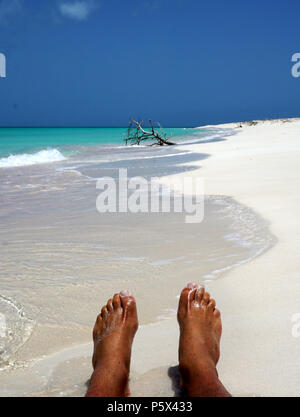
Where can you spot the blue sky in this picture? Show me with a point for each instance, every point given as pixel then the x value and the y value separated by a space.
pixel 180 62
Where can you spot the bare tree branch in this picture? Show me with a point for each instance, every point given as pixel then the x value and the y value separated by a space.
pixel 136 134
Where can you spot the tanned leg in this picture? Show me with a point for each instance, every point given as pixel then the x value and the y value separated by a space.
pixel 199 344
pixel 113 335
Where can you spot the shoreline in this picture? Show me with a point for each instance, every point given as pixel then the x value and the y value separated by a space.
pixel 249 296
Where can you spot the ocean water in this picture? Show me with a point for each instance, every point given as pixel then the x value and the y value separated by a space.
pixel 61 259
pixel 57 141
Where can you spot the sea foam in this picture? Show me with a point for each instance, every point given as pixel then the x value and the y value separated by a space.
pixel 41 157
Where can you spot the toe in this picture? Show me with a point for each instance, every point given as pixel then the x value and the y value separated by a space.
pixel 199 294
pixel 205 299
pixel 212 304
pixel 109 305
pixel 98 326
pixel 116 301
pixel 217 313
pixel 127 302
pixel 183 300
pixel 129 306
pixel 186 296
pixel 104 313
pixel 191 285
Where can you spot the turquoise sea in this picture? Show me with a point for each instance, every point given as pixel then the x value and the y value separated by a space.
pixel 16 141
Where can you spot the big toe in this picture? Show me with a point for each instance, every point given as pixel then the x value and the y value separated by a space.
pixel 199 294
pixel 129 305
pixel 187 294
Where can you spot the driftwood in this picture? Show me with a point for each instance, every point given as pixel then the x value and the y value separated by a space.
pixel 136 134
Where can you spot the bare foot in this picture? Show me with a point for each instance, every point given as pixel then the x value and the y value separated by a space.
pixel 199 344
pixel 113 335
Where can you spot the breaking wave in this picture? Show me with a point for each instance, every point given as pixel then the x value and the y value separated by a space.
pixel 41 157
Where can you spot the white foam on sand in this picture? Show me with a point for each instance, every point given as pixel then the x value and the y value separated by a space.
pixel 25 159
pixel 16 328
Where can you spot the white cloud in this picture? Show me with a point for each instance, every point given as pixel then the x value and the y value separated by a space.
pixel 8 8
pixel 77 10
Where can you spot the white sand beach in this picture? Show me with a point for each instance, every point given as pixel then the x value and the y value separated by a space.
pixel 259 167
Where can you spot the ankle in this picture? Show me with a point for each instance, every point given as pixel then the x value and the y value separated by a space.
pixel 202 380
pixel 112 383
pixel 195 375
pixel 201 367
pixel 104 360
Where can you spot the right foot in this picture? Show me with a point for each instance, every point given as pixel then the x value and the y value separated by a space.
pixel 199 344
pixel 113 335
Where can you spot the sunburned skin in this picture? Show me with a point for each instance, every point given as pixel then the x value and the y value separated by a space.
pixel 199 345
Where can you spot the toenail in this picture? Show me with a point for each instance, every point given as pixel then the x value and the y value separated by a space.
pixel 190 285
pixel 125 293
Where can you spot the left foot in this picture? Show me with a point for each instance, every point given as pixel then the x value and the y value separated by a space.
pixel 113 335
